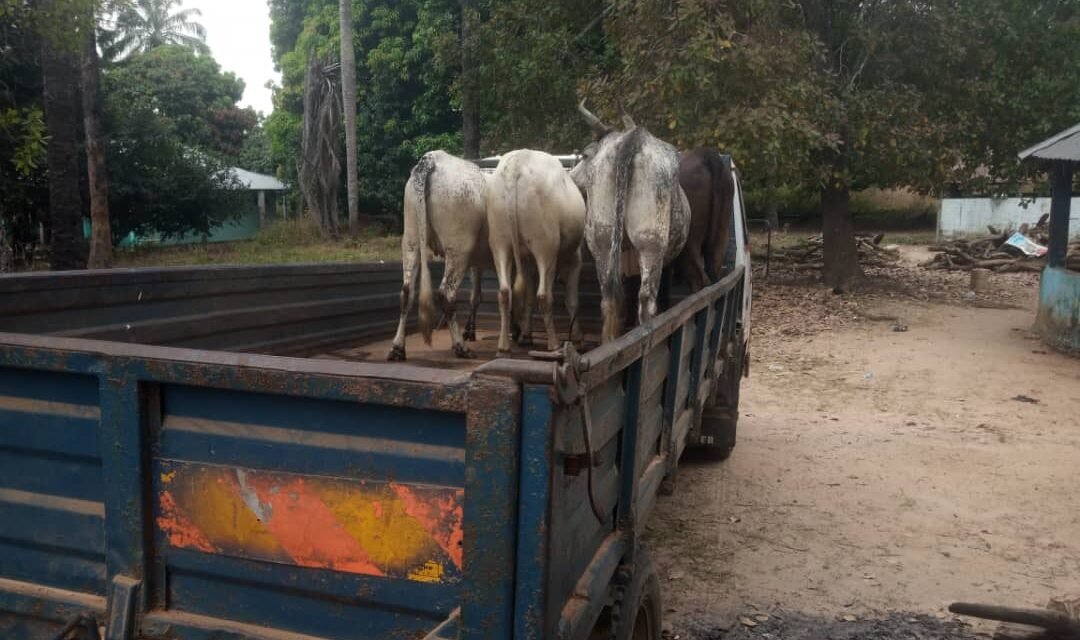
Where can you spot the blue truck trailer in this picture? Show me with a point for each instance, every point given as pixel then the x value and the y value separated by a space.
pixel 219 452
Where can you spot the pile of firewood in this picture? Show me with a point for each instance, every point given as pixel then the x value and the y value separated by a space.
pixel 809 252
pixel 991 252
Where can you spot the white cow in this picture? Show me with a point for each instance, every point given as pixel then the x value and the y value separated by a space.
pixel 445 213
pixel 536 218
pixel 631 182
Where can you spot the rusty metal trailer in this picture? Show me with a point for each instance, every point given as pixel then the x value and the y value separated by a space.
pixel 165 472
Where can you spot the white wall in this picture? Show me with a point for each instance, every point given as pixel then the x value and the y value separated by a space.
pixel 969 216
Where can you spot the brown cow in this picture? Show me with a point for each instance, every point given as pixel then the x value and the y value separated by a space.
pixel 710 188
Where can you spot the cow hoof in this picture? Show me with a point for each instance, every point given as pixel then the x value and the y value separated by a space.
pixel 515 332
pixel 470 334
pixel 397 354
pixel 462 351
pixel 525 341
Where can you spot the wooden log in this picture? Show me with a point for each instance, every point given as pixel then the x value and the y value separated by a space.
pixel 1050 620
pixel 990 264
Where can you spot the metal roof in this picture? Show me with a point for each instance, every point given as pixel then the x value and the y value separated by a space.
pixel 1063 146
pixel 257 181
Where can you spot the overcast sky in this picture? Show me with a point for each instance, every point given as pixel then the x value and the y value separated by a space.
pixel 238 32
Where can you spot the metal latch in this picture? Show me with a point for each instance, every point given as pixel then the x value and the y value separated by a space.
pixel 570 392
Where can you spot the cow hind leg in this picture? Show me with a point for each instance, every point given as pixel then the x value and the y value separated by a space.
pixel 410 268
pixel 571 273
pixel 447 300
pixel 651 267
pixel 503 270
pixel 610 303
pixel 544 298
pixel 474 304
pixel 524 301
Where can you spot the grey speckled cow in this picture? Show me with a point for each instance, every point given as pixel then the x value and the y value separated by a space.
pixel 445 212
pixel 632 193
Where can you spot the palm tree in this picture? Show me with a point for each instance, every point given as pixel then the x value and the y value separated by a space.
pixel 142 25
pixel 348 101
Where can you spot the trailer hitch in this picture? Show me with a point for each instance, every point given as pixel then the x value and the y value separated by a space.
pixel 570 392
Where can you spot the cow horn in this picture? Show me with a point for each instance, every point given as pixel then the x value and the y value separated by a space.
pixel 627 121
pixel 594 122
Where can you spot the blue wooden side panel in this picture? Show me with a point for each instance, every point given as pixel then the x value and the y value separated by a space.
pixel 308 562
pixel 264 497
pixel 52 514
pixel 51 497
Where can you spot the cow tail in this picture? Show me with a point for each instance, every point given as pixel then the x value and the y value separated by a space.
pixel 624 172
pixel 421 179
pixel 723 187
pixel 515 244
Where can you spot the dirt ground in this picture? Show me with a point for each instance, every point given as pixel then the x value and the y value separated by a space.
pixel 900 448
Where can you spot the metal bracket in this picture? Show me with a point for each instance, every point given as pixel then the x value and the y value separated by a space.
pixel 568 370
pixel 121 625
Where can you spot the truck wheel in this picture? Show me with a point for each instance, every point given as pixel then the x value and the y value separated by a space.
pixel 637 613
pixel 720 420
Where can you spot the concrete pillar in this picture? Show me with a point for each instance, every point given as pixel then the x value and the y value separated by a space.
pixel 1061 178
pixel 262 209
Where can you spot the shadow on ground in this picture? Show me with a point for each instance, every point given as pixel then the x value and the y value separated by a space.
pixel 797 626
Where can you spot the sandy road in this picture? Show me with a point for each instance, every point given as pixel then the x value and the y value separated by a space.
pixel 880 470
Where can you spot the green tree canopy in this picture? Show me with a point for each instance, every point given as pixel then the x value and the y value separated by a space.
pixel 144 25
pixel 192 92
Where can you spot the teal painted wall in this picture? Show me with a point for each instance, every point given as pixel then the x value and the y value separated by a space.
pixel 1059 309
pixel 243 227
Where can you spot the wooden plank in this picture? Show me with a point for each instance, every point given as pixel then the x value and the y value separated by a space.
pixel 649 486
pixel 683 422
pixel 607 406
pixel 655 366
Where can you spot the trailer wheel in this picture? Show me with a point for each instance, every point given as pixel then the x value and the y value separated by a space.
pixel 720 420
pixel 637 613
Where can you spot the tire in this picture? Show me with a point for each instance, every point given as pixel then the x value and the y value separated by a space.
pixel 720 421
pixel 637 612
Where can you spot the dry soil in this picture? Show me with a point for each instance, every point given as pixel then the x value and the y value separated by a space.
pixel 894 454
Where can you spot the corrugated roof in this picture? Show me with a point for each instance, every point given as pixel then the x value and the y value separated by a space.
pixel 1063 146
pixel 257 181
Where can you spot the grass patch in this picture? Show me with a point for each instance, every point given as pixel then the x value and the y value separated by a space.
pixel 289 242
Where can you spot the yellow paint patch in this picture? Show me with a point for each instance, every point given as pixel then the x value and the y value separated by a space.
pixel 431 572
pixel 212 501
pixel 393 540
pixel 166 478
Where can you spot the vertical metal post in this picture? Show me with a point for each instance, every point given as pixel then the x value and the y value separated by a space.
pixel 123 410
pixel 492 442
pixel 1061 178
pixel 629 447
pixel 671 388
pixel 537 460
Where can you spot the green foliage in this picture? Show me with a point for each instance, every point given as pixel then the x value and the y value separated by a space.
pixel 192 92
pixel 174 127
pixel 144 25
pixel 26 129
pixel 533 57
pixel 257 154
pixel 159 184
pixel 1020 84
pixel 403 105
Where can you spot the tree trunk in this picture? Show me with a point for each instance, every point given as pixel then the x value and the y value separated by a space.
pixel 772 213
pixel 348 100
pixel 65 204
pixel 470 99
pixel 97 172
pixel 838 233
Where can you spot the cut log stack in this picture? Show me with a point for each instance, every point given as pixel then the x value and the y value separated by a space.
pixel 991 252
pixel 809 252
